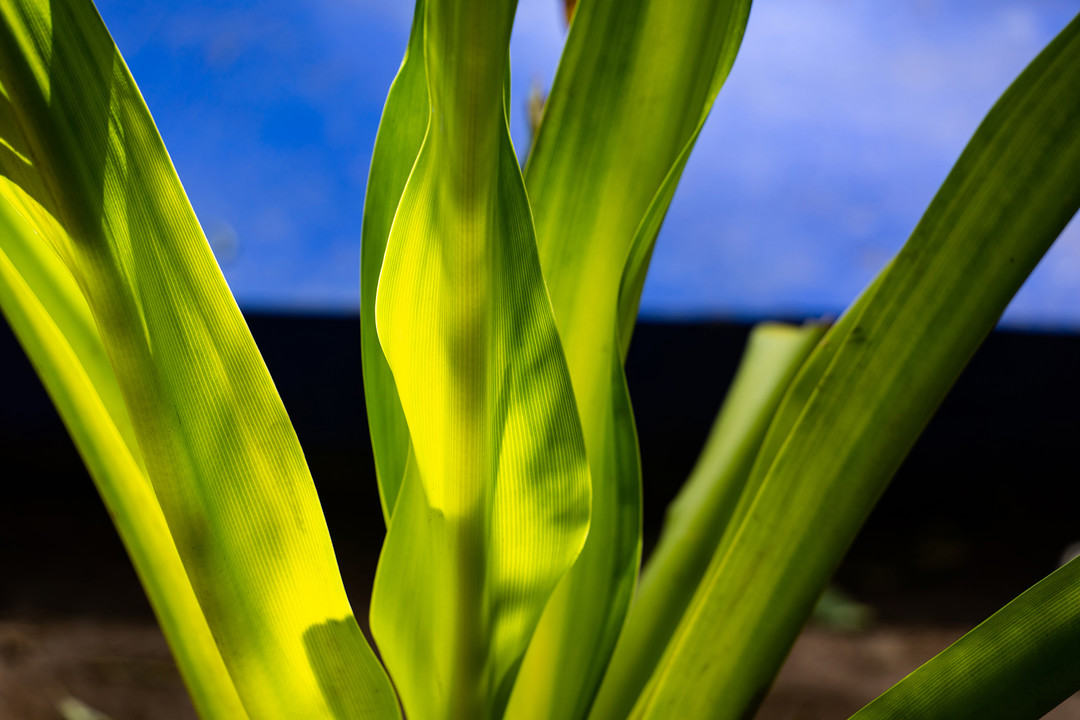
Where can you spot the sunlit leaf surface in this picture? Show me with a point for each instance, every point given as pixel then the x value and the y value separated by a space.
pixel 110 285
pixel 397 144
pixel 494 504
pixel 633 88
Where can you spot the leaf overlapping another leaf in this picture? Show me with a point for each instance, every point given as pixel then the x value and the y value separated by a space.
pixel 695 521
pixel 401 132
pixel 871 386
pixel 633 89
pixel 493 507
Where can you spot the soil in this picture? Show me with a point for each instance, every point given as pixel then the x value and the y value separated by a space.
pixel 123 670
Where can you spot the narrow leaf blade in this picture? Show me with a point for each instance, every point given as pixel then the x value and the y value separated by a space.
pixel 397 144
pixel 1009 196
pixel 696 519
pixel 633 88
pixel 1019 664
pixel 54 326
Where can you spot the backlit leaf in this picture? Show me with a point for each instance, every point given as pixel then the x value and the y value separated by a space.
pixel 171 404
pixel 397 144
pixel 494 505
pixel 696 519
pixel 888 364
pixel 635 83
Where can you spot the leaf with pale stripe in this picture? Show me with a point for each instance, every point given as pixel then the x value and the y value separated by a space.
pixel 49 317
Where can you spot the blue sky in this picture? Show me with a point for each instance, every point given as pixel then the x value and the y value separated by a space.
pixel 838 123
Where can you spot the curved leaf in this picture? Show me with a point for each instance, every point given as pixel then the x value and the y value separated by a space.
pixel 50 318
pixel 635 83
pixel 397 144
pixel 494 506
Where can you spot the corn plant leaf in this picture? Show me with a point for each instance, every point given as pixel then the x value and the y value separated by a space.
pixel 397 144
pixel 50 318
pixel 107 270
pixel 494 505
pixel 1019 664
pixel 633 88
pixel 798 393
pixel 888 365
pixel 696 519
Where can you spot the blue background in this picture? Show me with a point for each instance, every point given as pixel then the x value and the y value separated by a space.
pixel 839 121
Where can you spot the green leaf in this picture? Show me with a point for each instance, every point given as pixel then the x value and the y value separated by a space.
pixel 633 88
pixel 397 144
pixel 42 304
pixel 697 517
pixel 1018 664
pixel 799 392
pixel 892 360
pixel 494 505
pixel 112 287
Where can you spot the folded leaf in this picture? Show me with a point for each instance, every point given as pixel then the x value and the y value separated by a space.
pixel 633 88
pixel 397 144
pixel 494 505
pixel 90 192
pixel 1011 193
pixel 696 519
pixel 1019 664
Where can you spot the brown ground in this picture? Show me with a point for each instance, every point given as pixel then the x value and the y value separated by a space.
pixel 831 675
pixel 123 670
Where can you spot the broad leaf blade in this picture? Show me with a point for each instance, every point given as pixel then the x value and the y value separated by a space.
pixel 696 519
pixel 214 439
pixel 1018 664
pixel 494 506
pixel 1011 193
pixel 51 321
pixel 397 144
pixel 633 88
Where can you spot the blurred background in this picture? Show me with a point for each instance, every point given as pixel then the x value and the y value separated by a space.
pixel 840 120
pixel 837 125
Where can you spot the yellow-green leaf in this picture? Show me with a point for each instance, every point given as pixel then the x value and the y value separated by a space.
pixel 494 505
pixel 397 144
pixel 42 304
pixel 90 195
pixel 696 519
pixel 635 83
